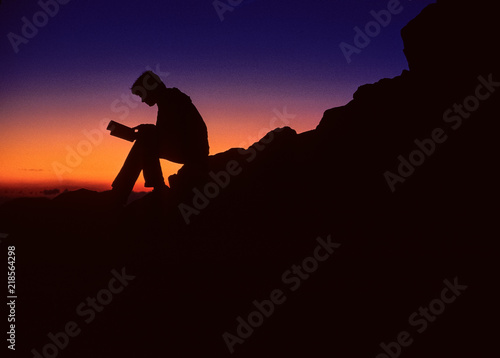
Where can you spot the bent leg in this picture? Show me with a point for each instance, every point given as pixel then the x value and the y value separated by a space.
pixel 126 178
pixel 143 156
pixel 151 169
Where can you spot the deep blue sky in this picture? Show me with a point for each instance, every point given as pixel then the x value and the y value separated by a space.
pixel 267 44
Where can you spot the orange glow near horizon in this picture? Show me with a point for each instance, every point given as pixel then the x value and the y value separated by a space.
pixel 62 146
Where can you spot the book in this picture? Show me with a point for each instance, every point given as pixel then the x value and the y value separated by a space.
pixel 121 131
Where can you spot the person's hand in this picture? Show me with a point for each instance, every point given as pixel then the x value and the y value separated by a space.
pixel 143 127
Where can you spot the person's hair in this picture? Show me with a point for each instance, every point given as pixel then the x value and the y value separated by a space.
pixel 147 82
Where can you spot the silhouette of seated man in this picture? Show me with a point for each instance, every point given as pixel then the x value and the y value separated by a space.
pixel 180 136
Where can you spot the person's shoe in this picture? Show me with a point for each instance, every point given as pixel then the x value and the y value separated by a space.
pixel 161 189
pixel 160 194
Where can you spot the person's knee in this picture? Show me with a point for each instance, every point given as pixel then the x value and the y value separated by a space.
pixel 148 133
pixel 148 140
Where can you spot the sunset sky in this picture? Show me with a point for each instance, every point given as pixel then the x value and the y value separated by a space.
pixel 66 73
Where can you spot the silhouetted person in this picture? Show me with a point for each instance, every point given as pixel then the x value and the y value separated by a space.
pixel 180 136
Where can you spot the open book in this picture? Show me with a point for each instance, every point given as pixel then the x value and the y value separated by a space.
pixel 121 131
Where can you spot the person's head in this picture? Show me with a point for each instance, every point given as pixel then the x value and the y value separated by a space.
pixel 149 87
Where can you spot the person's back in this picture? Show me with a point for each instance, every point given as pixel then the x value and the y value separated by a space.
pixel 182 131
pixel 180 135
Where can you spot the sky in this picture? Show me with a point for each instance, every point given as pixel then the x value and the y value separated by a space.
pixel 248 65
